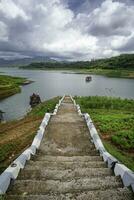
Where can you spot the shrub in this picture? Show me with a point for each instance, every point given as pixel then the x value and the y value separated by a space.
pixel 124 139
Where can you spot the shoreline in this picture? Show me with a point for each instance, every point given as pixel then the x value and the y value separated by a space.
pixel 111 73
pixel 10 85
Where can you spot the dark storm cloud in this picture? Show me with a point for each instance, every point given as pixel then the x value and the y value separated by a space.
pixel 75 4
pixel 66 29
pixel 83 6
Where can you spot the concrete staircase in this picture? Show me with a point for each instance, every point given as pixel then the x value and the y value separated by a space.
pixel 67 165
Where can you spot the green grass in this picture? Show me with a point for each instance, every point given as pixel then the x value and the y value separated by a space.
pixel 117 73
pixel 10 85
pixel 5 150
pixel 125 139
pixel 124 157
pixel 17 135
pixel 114 120
pixel 109 103
pixel 47 106
pixel 2 197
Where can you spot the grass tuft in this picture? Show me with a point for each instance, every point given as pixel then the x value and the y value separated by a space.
pixel 114 120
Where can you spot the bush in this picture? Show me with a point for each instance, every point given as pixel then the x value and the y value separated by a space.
pixel 124 138
pixel 105 102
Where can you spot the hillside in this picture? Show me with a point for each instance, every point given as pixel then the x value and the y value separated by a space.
pixel 124 61
pixel 23 61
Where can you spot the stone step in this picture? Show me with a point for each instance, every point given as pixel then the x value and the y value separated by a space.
pixel 67 106
pixel 66 158
pixel 56 186
pixel 45 145
pixel 109 194
pixel 65 165
pixel 69 152
pixel 68 118
pixel 66 109
pixel 67 101
pixel 57 174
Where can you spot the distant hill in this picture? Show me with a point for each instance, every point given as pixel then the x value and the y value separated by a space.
pixel 124 61
pixel 23 61
pixel 57 65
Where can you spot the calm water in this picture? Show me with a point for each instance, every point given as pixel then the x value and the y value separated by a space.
pixel 53 83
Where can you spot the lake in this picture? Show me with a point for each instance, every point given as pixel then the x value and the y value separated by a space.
pixel 53 83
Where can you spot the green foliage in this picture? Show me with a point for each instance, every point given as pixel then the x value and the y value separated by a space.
pixel 14 145
pixel 124 61
pixel 122 156
pixel 10 85
pixel 124 138
pixel 120 66
pixel 10 80
pixel 47 106
pixel 114 120
pixel 105 103
pixel 57 65
pixel 2 197
pixel 5 150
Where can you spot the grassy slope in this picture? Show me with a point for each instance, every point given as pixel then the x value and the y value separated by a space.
pixel 114 120
pixel 10 85
pixel 15 136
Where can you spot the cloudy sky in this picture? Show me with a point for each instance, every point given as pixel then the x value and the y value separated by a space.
pixel 66 29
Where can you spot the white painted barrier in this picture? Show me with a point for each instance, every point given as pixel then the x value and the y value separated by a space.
pixel 5 179
pixel 119 169
pixel 13 170
pixel 126 174
pixel 57 106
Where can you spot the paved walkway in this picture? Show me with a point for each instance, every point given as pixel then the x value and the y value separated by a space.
pixel 67 165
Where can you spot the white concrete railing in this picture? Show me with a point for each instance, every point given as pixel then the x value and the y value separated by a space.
pixel 119 169
pixel 13 170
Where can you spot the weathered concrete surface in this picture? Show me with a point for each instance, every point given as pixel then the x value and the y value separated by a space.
pixel 67 165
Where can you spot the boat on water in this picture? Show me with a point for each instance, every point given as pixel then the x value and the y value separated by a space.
pixel 88 78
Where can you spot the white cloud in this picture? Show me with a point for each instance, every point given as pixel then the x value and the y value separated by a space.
pixel 112 18
pixel 11 10
pixel 53 29
pixel 118 41
pixel 3 32
pixel 72 41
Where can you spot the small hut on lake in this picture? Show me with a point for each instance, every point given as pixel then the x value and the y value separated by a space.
pixel 88 79
pixel 34 100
